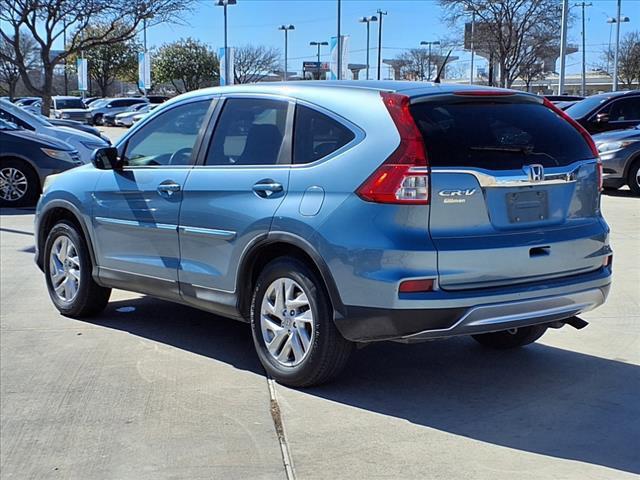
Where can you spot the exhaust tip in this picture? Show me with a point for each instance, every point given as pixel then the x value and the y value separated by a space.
pixel 576 322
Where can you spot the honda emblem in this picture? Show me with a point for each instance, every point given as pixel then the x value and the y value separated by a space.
pixel 534 172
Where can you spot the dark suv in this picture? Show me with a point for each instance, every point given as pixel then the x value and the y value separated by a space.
pixel 607 111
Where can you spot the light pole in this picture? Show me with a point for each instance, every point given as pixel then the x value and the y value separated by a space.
pixel 339 39
pixel 584 59
pixel 619 20
pixel 611 21
pixel 285 29
pixel 368 21
pixel 563 45
pixel 381 14
pixel 318 44
pixel 144 66
pixel 225 4
pixel 437 42
pixel 473 27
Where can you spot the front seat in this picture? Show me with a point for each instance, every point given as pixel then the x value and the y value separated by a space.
pixel 262 146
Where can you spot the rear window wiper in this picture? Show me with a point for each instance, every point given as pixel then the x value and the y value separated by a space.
pixel 514 149
pixel 525 150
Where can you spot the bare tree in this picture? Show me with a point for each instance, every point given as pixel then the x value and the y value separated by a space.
pixel 46 21
pixel 628 59
pixel 9 72
pixel 414 64
pixel 253 63
pixel 512 29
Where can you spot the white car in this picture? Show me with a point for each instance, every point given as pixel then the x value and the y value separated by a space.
pixel 84 142
pixel 126 119
pixel 70 108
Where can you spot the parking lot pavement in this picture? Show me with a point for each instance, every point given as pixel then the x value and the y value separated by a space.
pixel 113 133
pixel 155 390
pixel 147 390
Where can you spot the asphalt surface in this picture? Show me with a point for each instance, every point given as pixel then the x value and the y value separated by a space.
pixel 153 390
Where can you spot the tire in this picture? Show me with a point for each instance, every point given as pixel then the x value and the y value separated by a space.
pixel 326 352
pixel 97 119
pixel 517 337
pixel 633 179
pixel 19 185
pixel 89 297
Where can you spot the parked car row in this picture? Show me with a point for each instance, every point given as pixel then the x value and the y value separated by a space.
pixel 89 110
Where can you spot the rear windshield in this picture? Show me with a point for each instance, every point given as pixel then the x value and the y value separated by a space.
pixel 496 135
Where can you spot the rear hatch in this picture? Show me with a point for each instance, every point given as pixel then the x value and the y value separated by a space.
pixel 514 190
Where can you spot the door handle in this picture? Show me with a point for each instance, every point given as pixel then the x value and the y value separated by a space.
pixel 266 188
pixel 168 187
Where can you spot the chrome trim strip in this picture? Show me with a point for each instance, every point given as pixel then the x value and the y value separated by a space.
pixel 487 180
pixel 135 223
pixel 223 234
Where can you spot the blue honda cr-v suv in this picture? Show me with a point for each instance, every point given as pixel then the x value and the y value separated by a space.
pixel 330 213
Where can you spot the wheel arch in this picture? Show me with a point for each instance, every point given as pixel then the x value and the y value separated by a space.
pixel 55 211
pixel 281 244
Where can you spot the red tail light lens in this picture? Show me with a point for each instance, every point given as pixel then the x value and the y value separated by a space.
pixel 403 177
pixel 415 286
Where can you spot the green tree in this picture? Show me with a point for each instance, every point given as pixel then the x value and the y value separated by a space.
pixel 187 64
pixel 110 61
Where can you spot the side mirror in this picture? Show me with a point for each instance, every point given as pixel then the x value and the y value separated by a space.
pixel 602 118
pixel 106 159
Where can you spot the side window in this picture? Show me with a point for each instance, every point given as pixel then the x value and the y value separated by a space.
pixel 625 110
pixel 316 135
pixel 250 131
pixel 118 103
pixel 167 139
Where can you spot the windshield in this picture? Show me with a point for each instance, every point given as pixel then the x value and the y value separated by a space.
pixel 24 115
pixel 4 125
pixel 62 103
pixel 99 103
pixel 583 107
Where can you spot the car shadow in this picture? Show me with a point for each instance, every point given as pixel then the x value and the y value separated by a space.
pixel 8 212
pixel 538 399
pixel 623 193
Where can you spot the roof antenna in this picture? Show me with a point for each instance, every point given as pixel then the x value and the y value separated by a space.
pixel 444 64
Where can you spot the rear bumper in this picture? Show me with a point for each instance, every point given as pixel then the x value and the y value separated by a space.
pixel 364 324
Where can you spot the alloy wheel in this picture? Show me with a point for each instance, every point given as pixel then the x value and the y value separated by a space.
pixel 286 322
pixel 64 268
pixel 13 184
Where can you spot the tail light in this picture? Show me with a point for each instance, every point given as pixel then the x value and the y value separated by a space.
pixel 585 135
pixel 403 177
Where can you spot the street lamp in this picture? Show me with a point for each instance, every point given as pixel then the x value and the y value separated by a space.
pixel 381 15
pixel 225 4
pixel 584 61
pixel 619 19
pixel 286 29
pixel 318 44
pixel 473 32
pixel 368 21
pixel 437 42
pixel 611 21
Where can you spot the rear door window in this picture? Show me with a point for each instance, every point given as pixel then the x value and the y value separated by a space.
pixel 497 135
pixel 250 131
pixel 317 135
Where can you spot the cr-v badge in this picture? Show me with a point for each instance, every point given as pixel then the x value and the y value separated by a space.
pixel 456 195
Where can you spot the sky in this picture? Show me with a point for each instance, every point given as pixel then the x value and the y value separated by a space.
pixel 407 24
